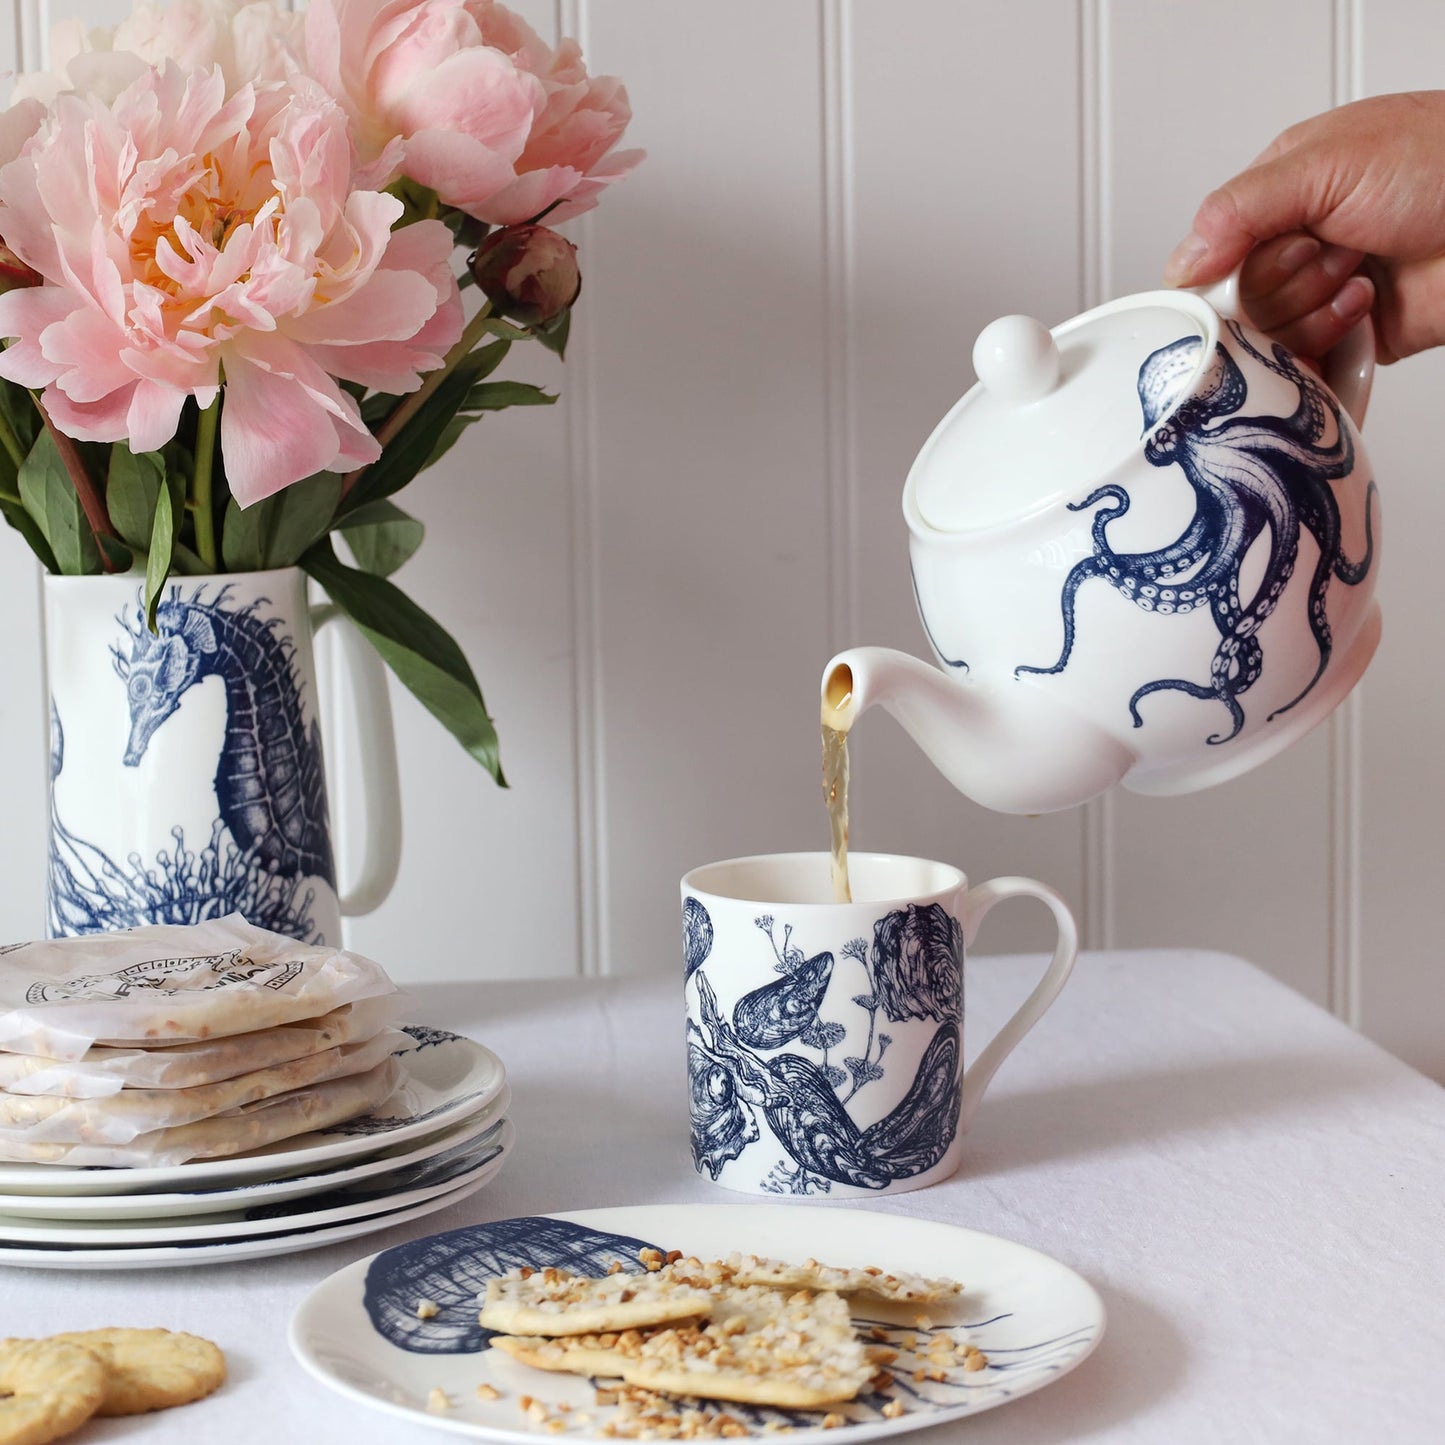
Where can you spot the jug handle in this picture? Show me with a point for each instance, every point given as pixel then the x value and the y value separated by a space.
pixel 976 902
pixel 1349 368
pixel 381 785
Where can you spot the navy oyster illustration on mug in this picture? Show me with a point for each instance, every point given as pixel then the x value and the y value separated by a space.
pixel 762 1060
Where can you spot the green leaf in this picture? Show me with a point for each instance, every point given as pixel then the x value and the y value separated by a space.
pixel 28 528
pixel 497 395
pixel 275 531
pixel 555 333
pixel 120 557
pixel 245 536
pixel 304 511
pixel 381 537
pixel 416 648
pixel 411 448
pixel 451 435
pixel 481 362
pixel 50 497
pixel 170 504
pixel 495 326
pixel 132 485
pixel 20 414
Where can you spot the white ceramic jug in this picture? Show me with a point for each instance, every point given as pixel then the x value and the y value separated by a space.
pixel 186 775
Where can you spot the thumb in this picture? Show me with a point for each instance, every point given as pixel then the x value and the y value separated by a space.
pixel 1288 193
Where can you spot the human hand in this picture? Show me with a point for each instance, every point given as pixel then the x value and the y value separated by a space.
pixel 1341 217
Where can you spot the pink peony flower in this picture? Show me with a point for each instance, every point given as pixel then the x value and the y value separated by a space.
pixel 253 41
pixel 464 97
pixel 188 238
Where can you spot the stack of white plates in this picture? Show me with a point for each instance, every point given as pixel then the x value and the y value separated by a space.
pixel 437 1139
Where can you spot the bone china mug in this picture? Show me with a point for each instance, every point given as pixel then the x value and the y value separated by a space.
pixel 824 1040
pixel 186 774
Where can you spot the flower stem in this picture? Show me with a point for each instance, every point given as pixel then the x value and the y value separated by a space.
pixel 409 405
pixel 91 501
pixel 205 461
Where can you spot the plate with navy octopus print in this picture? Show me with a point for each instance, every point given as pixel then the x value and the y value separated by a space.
pixel 359 1332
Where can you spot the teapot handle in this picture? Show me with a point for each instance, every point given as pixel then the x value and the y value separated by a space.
pixel 1349 369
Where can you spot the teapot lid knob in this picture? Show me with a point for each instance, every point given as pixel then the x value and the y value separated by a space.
pixel 1016 359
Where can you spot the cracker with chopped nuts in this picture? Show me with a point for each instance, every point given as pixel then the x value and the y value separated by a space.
pixel 761 1347
pixel 872 1283
pixel 555 1302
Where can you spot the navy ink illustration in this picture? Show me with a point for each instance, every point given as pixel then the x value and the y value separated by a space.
pixel 776 1057
pixel 452 1269
pixel 1248 474
pixel 270 835
pixel 696 935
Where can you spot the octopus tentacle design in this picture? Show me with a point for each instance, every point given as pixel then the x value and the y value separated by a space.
pixel 1251 476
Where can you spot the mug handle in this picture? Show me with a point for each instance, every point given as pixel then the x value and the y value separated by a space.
pixel 380 783
pixel 1349 369
pixel 977 902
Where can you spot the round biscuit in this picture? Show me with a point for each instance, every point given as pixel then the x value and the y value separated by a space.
pixel 47 1389
pixel 152 1369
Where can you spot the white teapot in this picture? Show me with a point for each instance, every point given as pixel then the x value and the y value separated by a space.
pixel 1144 550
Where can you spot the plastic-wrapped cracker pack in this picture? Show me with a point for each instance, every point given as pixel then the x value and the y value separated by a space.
pixel 169 985
pixel 253 1126
pixel 46 1119
pixel 106 1071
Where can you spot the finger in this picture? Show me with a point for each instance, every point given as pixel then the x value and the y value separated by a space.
pixel 1272 264
pixel 1306 289
pixel 1292 192
pixel 1409 311
pixel 1311 336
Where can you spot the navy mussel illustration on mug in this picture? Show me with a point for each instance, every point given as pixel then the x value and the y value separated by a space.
pixel 796 1051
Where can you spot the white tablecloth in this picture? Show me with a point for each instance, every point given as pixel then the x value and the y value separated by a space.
pixel 1257 1193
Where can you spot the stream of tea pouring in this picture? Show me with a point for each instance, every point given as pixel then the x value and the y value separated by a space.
pixel 835 779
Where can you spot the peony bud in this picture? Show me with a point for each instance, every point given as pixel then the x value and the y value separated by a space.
pixel 14 273
pixel 528 273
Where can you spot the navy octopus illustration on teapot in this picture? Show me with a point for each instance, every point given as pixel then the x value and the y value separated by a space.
pixel 743 1067
pixel 1248 474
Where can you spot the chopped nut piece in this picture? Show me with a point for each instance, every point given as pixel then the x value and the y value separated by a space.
pixel 437 1400
pixel 488 1391
pixel 833 1420
pixel 427 1309
pixel 893 1409
pixel 976 1361
pixel 923 1322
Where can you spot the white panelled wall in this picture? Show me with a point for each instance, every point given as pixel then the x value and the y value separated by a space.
pixel 776 309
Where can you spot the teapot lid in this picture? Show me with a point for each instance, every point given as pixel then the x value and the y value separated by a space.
pixel 1054 412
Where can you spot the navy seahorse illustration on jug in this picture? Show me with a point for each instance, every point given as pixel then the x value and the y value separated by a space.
pixel 270 836
pixel 1249 474
pixel 270 780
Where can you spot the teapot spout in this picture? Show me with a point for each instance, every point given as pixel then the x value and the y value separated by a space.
pixel 1006 746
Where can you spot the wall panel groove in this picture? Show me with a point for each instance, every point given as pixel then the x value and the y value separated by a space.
pixel 593 933
pixel 1096 821
pixel 1347 725
pixel 839 292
